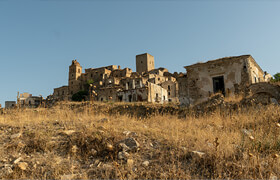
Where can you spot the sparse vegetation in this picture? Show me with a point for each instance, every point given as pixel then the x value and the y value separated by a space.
pixel 276 77
pixel 80 142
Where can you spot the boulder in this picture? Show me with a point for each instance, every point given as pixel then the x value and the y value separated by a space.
pixel 69 132
pixel 131 144
pixel 17 160
pixel 18 135
pixel 129 162
pixel 198 154
pixel 123 155
pixel 22 165
pixel 146 163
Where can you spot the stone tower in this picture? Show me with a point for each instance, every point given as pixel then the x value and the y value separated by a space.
pixel 144 62
pixel 74 82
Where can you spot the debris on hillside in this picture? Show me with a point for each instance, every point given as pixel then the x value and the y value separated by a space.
pixel 81 146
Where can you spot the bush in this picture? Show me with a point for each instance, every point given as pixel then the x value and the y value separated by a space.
pixel 79 96
pixel 276 77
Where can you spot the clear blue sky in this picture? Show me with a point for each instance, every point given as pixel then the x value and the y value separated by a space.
pixel 38 39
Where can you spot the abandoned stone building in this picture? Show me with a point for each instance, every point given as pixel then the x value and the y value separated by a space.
pixel 28 100
pixel 10 104
pixel 229 75
pixel 111 83
pixel 25 100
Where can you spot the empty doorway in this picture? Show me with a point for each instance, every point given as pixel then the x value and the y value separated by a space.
pixel 130 98
pixel 219 85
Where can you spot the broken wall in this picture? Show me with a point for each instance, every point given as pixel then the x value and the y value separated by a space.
pixel 232 70
pixel 98 74
pixel 133 95
pixel 61 93
pixel 172 90
pixel 10 104
pixel 107 94
pixel 183 90
pixel 156 93
pixel 255 72
pixel 126 72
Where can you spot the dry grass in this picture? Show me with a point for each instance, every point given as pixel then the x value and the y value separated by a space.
pixel 234 98
pixel 242 145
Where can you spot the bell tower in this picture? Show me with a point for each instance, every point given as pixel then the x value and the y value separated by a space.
pixel 74 81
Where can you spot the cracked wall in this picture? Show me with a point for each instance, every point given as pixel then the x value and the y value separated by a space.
pixel 237 73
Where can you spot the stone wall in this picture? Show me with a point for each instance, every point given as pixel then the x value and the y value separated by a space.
pixel 255 72
pixel 172 90
pixel 156 93
pixel 183 94
pixel 121 73
pixel 200 77
pixel 133 95
pixel 61 93
pixel 149 93
pixel 107 94
pixel 265 88
pixel 10 104
pixel 97 75
pixel 144 63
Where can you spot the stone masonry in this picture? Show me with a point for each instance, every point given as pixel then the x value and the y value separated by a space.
pixel 229 76
pixel 111 83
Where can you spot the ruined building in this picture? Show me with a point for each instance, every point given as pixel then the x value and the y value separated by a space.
pixel 229 76
pixel 111 83
pixel 10 104
pixel 28 100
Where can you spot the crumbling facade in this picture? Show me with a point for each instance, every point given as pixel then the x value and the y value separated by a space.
pixel 171 85
pixel 149 93
pixel 27 100
pixel 111 83
pixel 229 76
pixel 61 93
pixel 10 104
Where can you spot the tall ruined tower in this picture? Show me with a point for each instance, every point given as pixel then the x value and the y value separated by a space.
pixel 144 62
pixel 74 82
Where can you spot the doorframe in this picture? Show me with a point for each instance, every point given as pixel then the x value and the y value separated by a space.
pixel 224 88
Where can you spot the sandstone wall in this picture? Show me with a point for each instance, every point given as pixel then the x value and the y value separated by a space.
pixel 172 90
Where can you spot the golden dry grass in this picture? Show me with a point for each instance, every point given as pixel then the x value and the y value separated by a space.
pixel 241 145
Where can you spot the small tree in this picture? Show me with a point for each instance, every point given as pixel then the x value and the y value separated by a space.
pixel 79 96
pixel 276 77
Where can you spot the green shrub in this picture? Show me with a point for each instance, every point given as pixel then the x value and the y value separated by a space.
pixel 276 77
